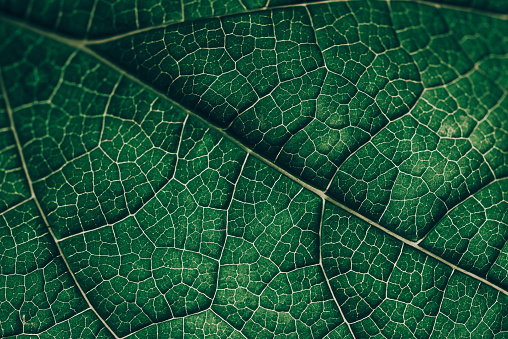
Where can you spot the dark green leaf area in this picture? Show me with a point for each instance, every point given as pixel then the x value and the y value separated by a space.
pixel 474 235
pixel 382 286
pixel 86 325
pixel 121 173
pixel 485 42
pixel 204 324
pixel 357 81
pixel 399 290
pixel 140 213
pixel 410 185
pixel 94 19
pixel 470 107
pixel 423 32
pixel 208 165
pixel 269 262
pixel 293 83
pixel 276 215
pixel 28 257
pixel 209 325
pixel 201 9
pixel 119 149
pixel 340 332
pixel 298 302
pixel 52 97
pixel 146 240
pixel 38 294
pixel 450 146
pixel 13 184
pixel 134 283
pixel 485 5
pixel 471 310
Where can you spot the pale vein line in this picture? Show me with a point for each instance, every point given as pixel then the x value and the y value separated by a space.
pixel 182 9
pixel 54 325
pixel 227 223
pixel 303 4
pixel 371 138
pixel 91 17
pixel 81 46
pixel 472 196
pixel 441 302
pixel 32 192
pixel 156 323
pixel 324 271
pixel 227 322
pixel 15 206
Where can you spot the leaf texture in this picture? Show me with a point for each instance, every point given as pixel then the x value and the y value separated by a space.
pixel 231 169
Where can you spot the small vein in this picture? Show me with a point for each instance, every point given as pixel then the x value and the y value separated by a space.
pixel 32 192
pixel 459 204
pixel 324 271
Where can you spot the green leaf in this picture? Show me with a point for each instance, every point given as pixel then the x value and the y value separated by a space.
pixel 253 169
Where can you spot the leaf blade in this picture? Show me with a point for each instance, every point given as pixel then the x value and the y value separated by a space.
pixel 260 318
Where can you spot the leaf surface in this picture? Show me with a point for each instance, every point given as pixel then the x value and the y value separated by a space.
pixel 312 170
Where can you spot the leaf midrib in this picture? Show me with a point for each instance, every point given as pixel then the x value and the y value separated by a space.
pixel 82 46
